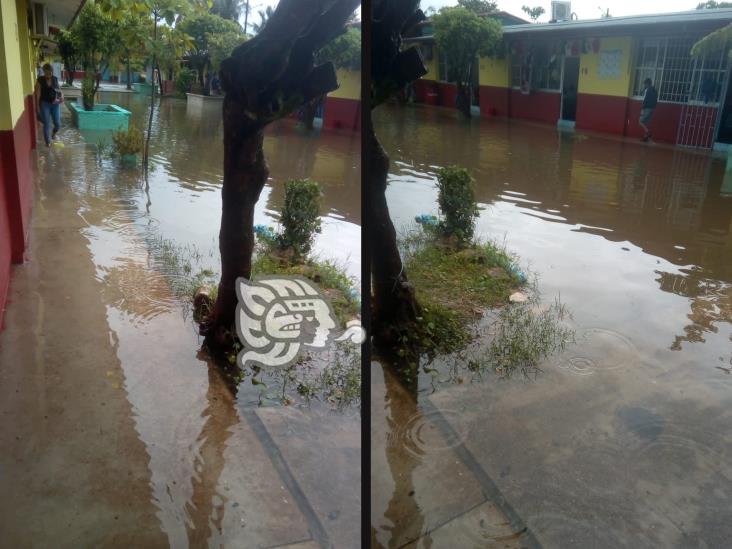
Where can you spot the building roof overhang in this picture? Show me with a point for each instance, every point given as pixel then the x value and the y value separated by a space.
pixel 666 22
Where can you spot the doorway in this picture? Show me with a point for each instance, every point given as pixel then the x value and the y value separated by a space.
pixel 724 135
pixel 570 79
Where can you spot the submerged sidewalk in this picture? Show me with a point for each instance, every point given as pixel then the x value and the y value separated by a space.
pixel 116 432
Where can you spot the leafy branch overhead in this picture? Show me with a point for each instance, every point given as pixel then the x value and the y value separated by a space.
pixel 392 67
pixel 274 73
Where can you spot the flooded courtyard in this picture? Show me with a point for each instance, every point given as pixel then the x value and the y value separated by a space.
pixel 622 440
pixel 119 432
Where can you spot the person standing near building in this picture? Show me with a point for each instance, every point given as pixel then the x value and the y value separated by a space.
pixel 48 98
pixel 650 98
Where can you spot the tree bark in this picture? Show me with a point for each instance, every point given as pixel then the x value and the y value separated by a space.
pixel 146 153
pixel 129 74
pixel 394 304
pixel 462 100
pixel 308 113
pixel 265 79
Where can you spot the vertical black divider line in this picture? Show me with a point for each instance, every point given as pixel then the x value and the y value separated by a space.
pixel 365 279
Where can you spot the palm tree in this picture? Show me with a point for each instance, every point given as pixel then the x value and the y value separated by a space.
pixel 264 15
pixel 228 9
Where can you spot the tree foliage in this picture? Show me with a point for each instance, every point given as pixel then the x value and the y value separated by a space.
pixel 264 16
pixel 714 42
pixel 461 36
pixel 210 35
pixel 478 6
pixel 533 13
pixel 712 5
pixel 228 9
pixel 68 49
pixel 344 51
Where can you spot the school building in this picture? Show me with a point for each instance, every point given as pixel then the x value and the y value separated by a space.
pixel 589 74
pixel 24 29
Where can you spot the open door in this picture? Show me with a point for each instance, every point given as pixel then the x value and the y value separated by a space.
pixel 570 79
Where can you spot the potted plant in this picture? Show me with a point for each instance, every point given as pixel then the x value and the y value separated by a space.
pixel 128 144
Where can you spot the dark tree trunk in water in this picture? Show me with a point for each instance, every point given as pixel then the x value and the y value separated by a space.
pixel 394 304
pixel 129 74
pixel 462 100
pixel 146 152
pixel 266 78
pixel 395 307
pixel 309 111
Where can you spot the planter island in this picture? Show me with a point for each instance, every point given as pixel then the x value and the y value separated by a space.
pixel 103 117
pixel 195 99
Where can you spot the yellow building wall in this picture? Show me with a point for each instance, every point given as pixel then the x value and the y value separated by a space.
pixel 11 68
pixel 26 50
pixel 590 79
pixel 493 72
pixel 350 85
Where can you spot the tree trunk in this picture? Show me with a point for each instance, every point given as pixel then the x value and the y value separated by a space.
pixel 266 78
pixel 308 113
pixel 245 174
pixel 129 74
pixel 146 153
pixel 462 100
pixel 394 305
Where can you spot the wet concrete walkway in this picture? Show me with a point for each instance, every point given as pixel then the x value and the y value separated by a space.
pixel 116 431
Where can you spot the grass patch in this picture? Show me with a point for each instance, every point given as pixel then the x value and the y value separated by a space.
pixel 459 285
pixel 330 277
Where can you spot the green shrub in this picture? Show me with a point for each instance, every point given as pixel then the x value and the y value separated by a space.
pixel 457 203
pixel 300 219
pixel 87 92
pixel 184 81
pixel 128 141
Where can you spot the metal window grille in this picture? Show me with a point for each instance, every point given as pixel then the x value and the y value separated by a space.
pixel 540 67
pixel 442 68
pixel 679 77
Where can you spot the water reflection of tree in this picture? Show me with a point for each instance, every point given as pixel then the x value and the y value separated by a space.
pixel 207 505
pixel 710 301
pixel 403 511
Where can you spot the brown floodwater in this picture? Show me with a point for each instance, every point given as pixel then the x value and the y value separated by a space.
pixel 624 439
pixel 155 451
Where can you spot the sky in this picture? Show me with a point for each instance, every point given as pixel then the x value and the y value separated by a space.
pixel 585 9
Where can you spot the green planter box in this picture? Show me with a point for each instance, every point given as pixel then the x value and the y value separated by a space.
pixel 103 117
pixel 145 88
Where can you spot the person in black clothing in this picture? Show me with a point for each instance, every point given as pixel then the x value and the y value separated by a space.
pixel 650 98
pixel 48 98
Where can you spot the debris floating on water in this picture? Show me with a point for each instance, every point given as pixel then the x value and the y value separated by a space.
pixel 518 297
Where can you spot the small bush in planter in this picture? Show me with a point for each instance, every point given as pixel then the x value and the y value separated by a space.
pixel 300 221
pixel 128 142
pixel 184 81
pixel 457 203
pixel 87 92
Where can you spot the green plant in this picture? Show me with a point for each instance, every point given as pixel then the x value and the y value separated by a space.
pixel 461 35
pixel 457 203
pixel 88 90
pixel 127 142
pixel 184 81
pixel 300 221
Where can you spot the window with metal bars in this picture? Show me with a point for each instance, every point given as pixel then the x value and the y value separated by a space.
pixel 679 77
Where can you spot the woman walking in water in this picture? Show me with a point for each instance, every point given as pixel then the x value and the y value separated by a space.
pixel 49 98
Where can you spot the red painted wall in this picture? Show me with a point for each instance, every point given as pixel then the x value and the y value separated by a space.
pixel 602 113
pixel 435 93
pixel 538 105
pixel 446 94
pixel 340 113
pixel 494 101
pixel 5 242
pixel 664 124
pixel 16 194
